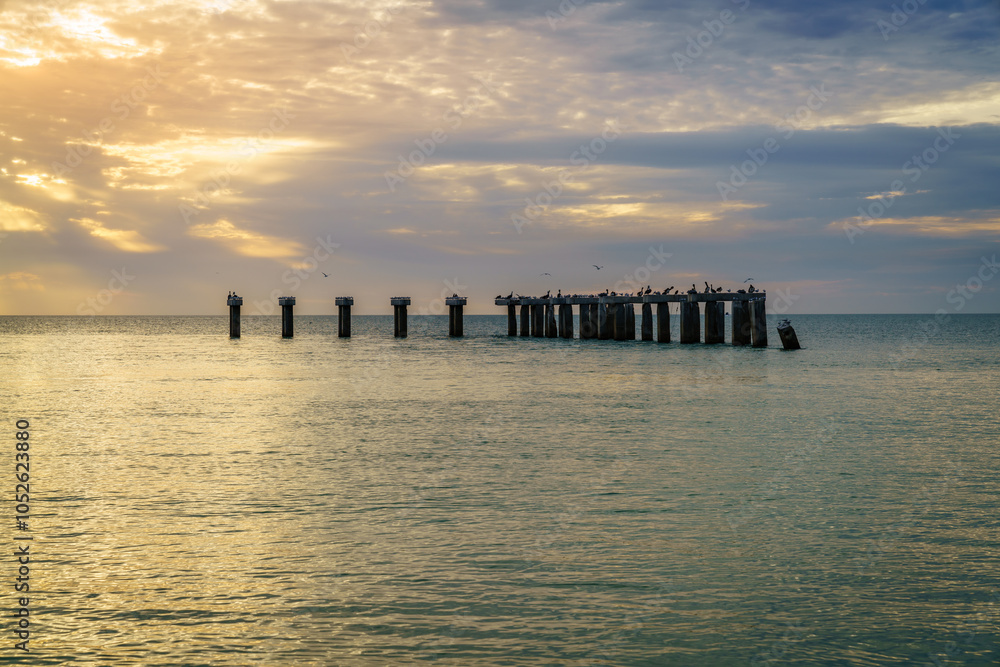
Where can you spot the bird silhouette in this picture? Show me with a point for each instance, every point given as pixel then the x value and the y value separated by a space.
pixel 597 267
pixel 749 279
pixel 325 275
pixel 546 274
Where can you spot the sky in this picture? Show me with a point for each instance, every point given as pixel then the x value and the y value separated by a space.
pixel 844 156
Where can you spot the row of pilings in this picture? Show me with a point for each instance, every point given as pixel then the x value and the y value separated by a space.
pixel 456 308
pixel 614 317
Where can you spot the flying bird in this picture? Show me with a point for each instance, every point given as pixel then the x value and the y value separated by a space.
pixel 749 279
pixel 597 267
pixel 325 275
pixel 546 274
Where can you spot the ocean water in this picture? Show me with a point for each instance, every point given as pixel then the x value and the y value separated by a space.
pixel 489 500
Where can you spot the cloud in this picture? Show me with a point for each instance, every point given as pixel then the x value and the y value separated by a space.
pixel 247 243
pixel 126 240
pixel 19 219
pixel 22 281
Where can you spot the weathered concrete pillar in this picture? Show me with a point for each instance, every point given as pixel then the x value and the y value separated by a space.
pixel 588 322
pixel 565 320
pixel 715 322
pixel 456 307
pixel 788 338
pixel 511 319
pixel 620 322
pixel 551 330
pixel 525 319
pixel 690 322
pixel 399 304
pixel 647 321
pixel 234 303
pixel 663 323
pixel 344 304
pixel 538 320
pixel 287 320
pixel 605 325
pixel 740 322
pixel 758 322
pixel 629 321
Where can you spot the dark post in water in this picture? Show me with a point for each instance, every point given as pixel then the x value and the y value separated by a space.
pixel 788 338
pixel 629 321
pixel 286 303
pixel 647 321
pixel 525 319
pixel 344 304
pixel 565 320
pixel 715 322
pixel 758 323
pixel 741 322
pixel 663 323
pixel 604 313
pixel 234 303
pixel 690 321
pixel 399 304
pixel 512 318
pixel 456 305
pixel 550 321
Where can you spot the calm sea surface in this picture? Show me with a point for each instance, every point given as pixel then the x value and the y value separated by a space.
pixel 504 501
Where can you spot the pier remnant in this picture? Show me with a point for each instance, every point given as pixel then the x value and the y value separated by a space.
pixel 399 304
pixel 287 327
pixel 550 320
pixel 604 329
pixel 715 322
pixel 344 304
pixel 740 323
pixel 758 323
pixel 456 306
pixel 537 318
pixel 787 334
pixel 565 319
pixel 525 319
pixel 647 321
pixel 588 318
pixel 663 322
pixel 690 321
pixel 629 321
pixel 512 318
pixel 234 303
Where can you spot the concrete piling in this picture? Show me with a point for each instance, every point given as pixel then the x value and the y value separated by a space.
pixel 565 320
pixel 663 322
pixel 715 322
pixel 537 319
pixel 690 321
pixel 287 319
pixel 234 303
pixel 344 304
pixel 788 338
pixel 740 323
pixel 588 320
pixel 551 330
pixel 647 321
pixel 512 319
pixel 456 306
pixel 758 323
pixel 399 304
pixel 525 319
pixel 604 323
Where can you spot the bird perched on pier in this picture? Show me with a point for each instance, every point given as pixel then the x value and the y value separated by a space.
pixel 667 291
pixel 511 295
pixel 741 291
pixel 693 290
pixel 548 295
pixel 677 291
pixel 751 289
pixel 558 294
pixel 708 288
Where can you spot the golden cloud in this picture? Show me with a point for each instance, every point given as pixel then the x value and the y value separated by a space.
pixel 248 243
pixel 18 219
pixel 22 280
pixel 126 240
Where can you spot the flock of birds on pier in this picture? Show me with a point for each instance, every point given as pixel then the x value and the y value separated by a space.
pixel 709 289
